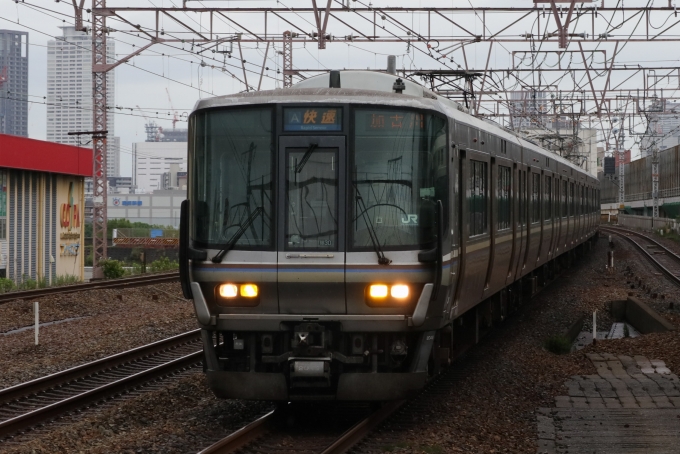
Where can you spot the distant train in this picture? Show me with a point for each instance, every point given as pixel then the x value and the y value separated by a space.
pixel 343 238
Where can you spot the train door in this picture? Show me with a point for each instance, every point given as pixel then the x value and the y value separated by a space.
pixel 554 202
pixel 564 215
pixel 311 241
pixel 501 224
pixel 521 220
pixel 548 225
pixel 475 229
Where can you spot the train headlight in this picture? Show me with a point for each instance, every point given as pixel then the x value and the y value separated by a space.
pixel 228 290
pixel 399 291
pixel 249 290
pixel 389 295
pixel 377 291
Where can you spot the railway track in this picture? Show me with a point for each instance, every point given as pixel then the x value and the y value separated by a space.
pixel 127 282
pixel 33 403
pixel 271 432
pixel 663 258
pixel 350 425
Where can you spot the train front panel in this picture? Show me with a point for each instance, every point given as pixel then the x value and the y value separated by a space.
pixel 316 240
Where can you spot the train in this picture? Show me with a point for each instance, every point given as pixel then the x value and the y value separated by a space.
pixel 345 238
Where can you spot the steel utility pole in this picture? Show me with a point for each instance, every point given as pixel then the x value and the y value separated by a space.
pixel 655 169
pixel 287 59
pixel 622 174
pixel 99 125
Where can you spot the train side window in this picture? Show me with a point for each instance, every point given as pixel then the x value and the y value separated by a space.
pixel 503 197
pixel 583 201
pixel 535 198
pixel 547 198
pixel 572 202
pixel 564 200
pixel 477 198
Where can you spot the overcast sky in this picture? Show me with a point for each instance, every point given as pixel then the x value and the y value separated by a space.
pixel 144 80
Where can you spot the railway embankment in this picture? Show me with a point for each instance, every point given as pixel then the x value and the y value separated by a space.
pixel 491 403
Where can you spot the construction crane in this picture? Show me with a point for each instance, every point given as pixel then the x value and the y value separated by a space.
pixel 174 112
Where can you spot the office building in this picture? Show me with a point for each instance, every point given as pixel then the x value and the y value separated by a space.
pixel 69 93
pixel 152 160
pixel 14 83
pixel 663 128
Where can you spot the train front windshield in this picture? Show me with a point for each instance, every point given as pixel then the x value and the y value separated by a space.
pixel 396 166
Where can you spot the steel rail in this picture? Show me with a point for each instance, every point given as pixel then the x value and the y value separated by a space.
pixel 127 282
pixel 262 425
pixel 50 381
pixel 363 428
pixel 625 233
pixel 242 436
pixel 103 392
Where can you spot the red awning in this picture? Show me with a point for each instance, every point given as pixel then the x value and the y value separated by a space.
pixel 30 154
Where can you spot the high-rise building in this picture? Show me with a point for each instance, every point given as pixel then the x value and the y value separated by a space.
pixel 663 129
pixel 14 83
pixel 69 93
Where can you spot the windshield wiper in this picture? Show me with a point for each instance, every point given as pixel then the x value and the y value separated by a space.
pixel 235 237
pixel 382 260
pixel 305 157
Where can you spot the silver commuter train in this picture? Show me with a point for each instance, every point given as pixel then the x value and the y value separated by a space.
pixel 342 239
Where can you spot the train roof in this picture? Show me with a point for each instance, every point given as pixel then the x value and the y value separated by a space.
pixel 370 87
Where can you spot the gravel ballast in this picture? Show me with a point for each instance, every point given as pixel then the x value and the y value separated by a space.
pixel 491 409
pixel 106 322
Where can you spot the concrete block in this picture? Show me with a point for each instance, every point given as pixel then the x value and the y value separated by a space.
pixel 644 318
pixel 612 402
pixel 608 393
pixel 594 357
pixel 624 393
pixel 546 428
pixel 579 402
pixel 546 447
pixel 626 360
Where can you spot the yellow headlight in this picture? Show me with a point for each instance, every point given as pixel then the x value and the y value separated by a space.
pixel 249 290
pixel 399 291
pixel 377 291
pixel 228 290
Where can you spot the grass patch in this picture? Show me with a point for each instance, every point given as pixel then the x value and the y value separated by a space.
pixel 558 345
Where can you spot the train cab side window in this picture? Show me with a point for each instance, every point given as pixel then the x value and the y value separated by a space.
pixel 503 197
pixel 535 198
pixel 565 213
pixel 547 198
pixel 477 198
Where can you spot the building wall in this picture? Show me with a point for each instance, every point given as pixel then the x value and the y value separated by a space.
pixel 36 245
pixel 153 159
pixel 638 185
pixel 161 207
pixel 14 91
pixel 665 132
pixel 3 222
pixel 71 226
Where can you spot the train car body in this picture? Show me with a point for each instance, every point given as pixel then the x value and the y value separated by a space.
pixel 335 239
